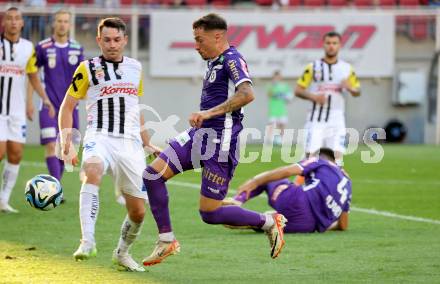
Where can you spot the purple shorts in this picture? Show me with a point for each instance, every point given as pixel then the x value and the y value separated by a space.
pixel 49 126
pixel 213 150
pixel 291 201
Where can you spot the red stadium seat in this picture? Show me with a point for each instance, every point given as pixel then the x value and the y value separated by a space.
pixel 52 2
pixel 314 3
pixel 419 28
pixel 196 3
pixel 409 3
pixel 363 3
pixel 221 3
pixel 337 3
pixel 126 2
pixel 387 3
pixel 294 3
pixel 264 2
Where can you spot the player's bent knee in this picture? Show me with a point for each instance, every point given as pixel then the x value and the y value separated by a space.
pixel 137 215
pixel 151 175
pixel 50 149
pixel 93 172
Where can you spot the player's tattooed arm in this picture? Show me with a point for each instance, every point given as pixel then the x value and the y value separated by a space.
pixel 243 95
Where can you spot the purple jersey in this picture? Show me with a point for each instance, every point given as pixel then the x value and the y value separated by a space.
pixel 328 190
pixel 222 77
pixel 59 63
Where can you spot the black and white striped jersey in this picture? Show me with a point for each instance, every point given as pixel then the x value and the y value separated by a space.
pixel 112 91
pixel 17 59
pixel 322 77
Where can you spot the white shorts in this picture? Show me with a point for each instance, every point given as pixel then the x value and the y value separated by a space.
pixel 124 157
pixel 13 129
pixel 329 134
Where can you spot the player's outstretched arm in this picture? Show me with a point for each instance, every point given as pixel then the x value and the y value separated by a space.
pixel 269 176
pixel 243 95
pixel 146 140
pixel 36 84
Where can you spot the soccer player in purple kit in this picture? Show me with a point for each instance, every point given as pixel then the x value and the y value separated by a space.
pixel 59 56
pixel 321 204
pixel 227 87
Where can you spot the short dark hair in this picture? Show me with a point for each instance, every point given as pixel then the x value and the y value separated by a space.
pixel 13 8
pixel 115 22
pixel 332 34
pixel 327 153
pixel 211 22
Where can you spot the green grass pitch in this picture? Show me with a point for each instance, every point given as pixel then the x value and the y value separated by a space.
pixel 37 247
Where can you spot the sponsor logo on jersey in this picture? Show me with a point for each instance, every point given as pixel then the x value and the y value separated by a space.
pixel 112 90
pixel 8 69
pixel 233 68
pixel 52 61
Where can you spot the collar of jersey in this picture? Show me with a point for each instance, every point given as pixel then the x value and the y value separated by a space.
pixel 60 45
pixel 323 60
pixel 110 61
pixel 3 37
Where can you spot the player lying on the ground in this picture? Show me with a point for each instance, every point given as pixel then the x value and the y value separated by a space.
pixel 321 204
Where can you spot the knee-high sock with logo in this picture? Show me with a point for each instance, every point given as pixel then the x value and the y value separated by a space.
pixel 237 216
pixel 88 212
pixel 129 232
pixel 9 178
pixel 158 199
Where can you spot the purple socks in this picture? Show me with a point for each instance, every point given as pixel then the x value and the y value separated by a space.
pixel 54 167
pixel 234 216
pixel 158 198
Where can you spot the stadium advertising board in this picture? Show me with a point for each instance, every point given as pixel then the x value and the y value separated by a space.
pixel 272 40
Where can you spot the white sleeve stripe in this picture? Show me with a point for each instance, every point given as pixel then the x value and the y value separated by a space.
pixel 301 167
pixel 243 80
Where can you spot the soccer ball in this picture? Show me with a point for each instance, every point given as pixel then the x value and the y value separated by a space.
pixel 43 192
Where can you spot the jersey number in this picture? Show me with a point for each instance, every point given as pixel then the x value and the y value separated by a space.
pixel 343 190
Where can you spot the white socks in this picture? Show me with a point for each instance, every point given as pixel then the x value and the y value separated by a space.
pixel 269 222
pixel 9 177
pixel 167 237
pixel 88 212
pixel 129 232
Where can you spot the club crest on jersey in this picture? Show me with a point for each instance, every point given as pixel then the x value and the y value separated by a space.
pixel 318 75
pixel 73 59
pixel 51 60
pixel 213 76
pixel 99 72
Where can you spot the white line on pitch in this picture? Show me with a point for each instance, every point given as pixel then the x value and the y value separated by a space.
pixel 356 209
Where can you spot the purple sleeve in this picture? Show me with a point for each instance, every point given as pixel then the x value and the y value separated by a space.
pixel 310 165
pixel 237 70
pixel 40 56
